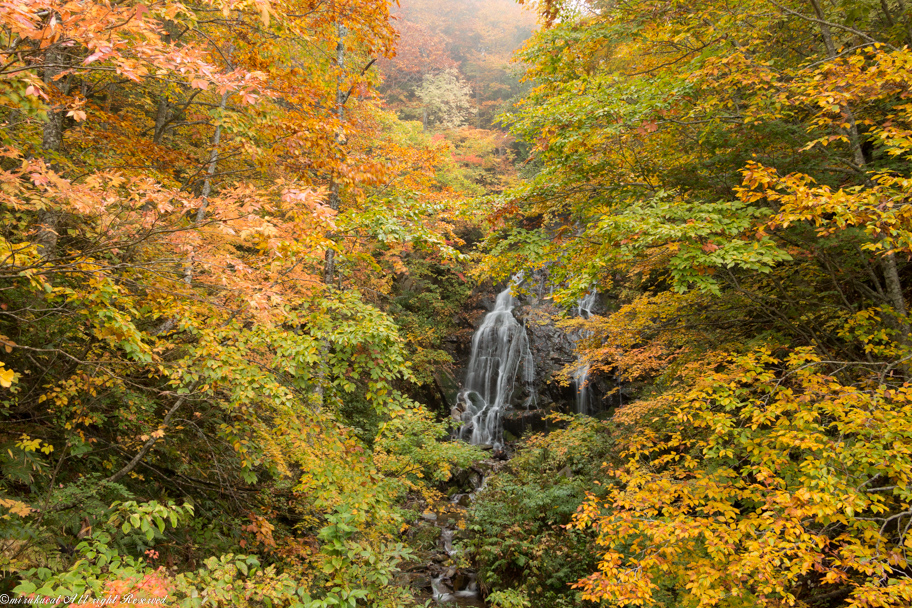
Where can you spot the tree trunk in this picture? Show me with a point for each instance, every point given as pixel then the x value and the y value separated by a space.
pixel 888 260
pixel 886 12
pixel 335 201
pixel 904 20
pixel 51 142
pixel 52 135
pixel 169 323
pixel 213 163
pixel 329 267
pixel 161 119
pixel 207 183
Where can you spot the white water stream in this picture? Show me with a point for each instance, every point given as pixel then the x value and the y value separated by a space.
pixel 500 356
pixel 454 585
pixel 581 375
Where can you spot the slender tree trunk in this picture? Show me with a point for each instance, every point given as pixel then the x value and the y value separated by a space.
pixel 207 183
pixel 477 106
pixel 52 134
pixel 888 260
pixel 329 268
pixel 51 142
pixel 169 323
pixel 903 18
pixel 161 119
pixel 886 11
pixel 213 163
pixel 335 200
pixel 164 107
pixel 109 97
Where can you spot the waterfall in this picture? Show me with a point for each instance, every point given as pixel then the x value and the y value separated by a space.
pixel 581 374
pixel 500 353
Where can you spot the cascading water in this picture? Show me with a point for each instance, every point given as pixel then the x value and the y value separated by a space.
pixel 581 375
pixel 500 354
pixel 451 582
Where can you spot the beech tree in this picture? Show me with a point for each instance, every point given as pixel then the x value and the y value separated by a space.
pixel 447 99
pixel 733 177
pixel 172 179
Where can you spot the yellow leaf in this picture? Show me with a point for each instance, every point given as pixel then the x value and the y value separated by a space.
pixel 7 377
pixel 17 508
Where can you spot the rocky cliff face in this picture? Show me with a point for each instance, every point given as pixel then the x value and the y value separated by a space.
pixel 553 349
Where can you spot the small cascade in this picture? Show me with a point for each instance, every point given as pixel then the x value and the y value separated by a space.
pixel 446 538
pixel 471 590
pixel 500 355
pixel 440 593
pixel 581 375
pixel 447 580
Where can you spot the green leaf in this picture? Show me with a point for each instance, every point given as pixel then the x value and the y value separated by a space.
pixel 25 588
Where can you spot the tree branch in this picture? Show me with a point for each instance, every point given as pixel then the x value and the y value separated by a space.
pixel 824 23
pixel 363 72
pixel 150 443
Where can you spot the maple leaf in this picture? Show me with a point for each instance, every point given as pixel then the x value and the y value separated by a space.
pixel 15 507
pixel 710 247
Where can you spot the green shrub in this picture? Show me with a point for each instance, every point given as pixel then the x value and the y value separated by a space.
pixel 518 536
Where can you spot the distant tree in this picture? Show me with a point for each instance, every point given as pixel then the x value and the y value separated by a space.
pixel 447 99
pixel 474 37
pixel 419 52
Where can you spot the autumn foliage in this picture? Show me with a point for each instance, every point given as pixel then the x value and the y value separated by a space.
pixel 733 178
pixel 232 246
pixel 194 199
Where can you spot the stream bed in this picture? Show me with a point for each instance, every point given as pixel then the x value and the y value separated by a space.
pixel 441 575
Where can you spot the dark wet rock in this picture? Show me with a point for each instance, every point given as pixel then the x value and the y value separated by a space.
pixel 447 385
pixel 519 422
pixel 476 479
pixel 460 581
pixel 552 348
pixel 483 467
pixel 461 481
pixel 444 519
